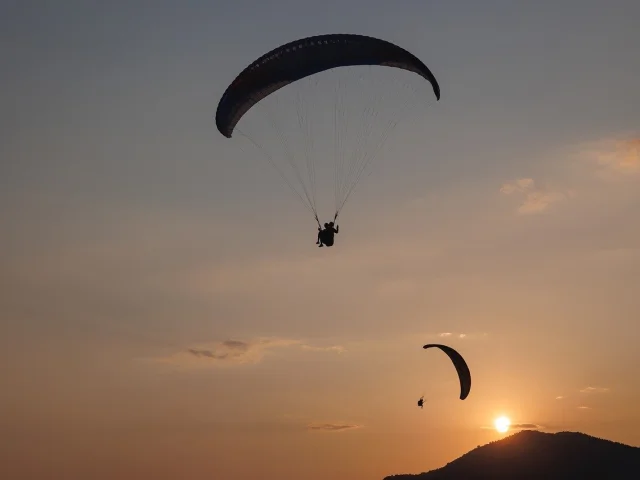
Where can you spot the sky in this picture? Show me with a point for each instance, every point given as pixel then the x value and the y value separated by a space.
pixel 165 313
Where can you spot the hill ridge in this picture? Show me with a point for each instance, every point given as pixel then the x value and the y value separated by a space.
pixel 530 454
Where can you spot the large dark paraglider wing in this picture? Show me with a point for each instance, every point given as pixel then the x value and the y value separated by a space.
pixel 461 366
pixel 301 58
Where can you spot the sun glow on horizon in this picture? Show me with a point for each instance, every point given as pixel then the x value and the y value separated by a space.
pixel 502 424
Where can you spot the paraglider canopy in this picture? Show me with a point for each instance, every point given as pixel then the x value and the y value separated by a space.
pixel 332 95
pixel 307 56
pixel 461 367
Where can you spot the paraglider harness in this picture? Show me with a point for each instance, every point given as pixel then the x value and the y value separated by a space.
pixel 325 236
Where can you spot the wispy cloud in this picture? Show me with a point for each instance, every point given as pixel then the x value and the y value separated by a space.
pixel 236 352
pixel 308 423
pixel 332 427
pixel 518 426
pixel 454 335
pixel 560 397
pixel 332 348
pixel 227 350
pixel 594 390
pixel 526 426
pixel 520 185
pixel 537 199
pixel 615 157
pixel 582 407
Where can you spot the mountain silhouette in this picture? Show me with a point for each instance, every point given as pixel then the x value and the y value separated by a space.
pixel 531 454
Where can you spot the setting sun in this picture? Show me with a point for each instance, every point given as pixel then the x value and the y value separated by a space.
pixel 502 424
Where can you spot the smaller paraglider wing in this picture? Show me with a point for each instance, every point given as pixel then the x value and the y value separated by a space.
pixel 461 367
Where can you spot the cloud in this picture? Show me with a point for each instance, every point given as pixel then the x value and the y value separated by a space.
pixel 582 407
pixel 518 426
pixel 236 352
pixel 457 335
pixel 537 200
pixel 617 156
pixel 520 185
pixel 559 397
pixel 307 423
pixel 594 390
pixel 332 427
pixel 332 348
pixel 227 350
pixel 526 426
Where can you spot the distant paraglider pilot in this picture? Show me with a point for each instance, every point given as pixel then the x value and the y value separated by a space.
pixel 421 401
pixel 325 236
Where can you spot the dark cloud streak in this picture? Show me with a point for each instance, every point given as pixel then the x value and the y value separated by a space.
pixel 332 427
pixel 526 426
